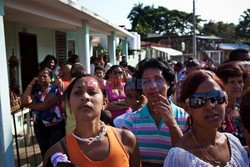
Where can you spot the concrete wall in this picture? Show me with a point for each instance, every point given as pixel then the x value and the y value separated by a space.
pixel 133 60
pixel 45 41
pixel 72 36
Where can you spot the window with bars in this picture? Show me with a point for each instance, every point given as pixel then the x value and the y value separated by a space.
pixel 61 47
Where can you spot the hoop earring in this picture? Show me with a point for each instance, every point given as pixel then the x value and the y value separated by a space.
pixel 190 124
pixel 190 121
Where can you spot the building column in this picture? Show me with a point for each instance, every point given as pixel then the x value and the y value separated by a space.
pixel 90 47
pixel 6 144
pixel 112 48
pixel 83 45
pixel 148 53
pixel 167 56
pixel 125 48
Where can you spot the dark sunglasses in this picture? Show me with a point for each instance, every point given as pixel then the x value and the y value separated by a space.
pixel 197 100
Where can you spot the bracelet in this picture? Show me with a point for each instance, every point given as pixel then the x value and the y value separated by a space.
pixel 29 86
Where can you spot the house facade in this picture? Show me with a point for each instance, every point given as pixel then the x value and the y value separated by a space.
pixel 207 46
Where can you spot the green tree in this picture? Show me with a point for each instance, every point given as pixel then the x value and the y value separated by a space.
pixel 138 16
pixel 161 20
pixel 243 28
pixel 220 29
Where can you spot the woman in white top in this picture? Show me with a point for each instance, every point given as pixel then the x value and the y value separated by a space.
pixel 205 101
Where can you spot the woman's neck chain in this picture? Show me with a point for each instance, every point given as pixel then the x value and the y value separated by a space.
pixel 205 153
pixel 96 138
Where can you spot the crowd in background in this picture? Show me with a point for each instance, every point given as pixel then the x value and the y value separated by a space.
pixel 159 113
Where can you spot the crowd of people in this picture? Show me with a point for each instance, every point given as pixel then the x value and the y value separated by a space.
pixel 156 114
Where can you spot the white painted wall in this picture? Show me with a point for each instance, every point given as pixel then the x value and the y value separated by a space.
pixel 45 40
pixel 133 59
pixel 72 36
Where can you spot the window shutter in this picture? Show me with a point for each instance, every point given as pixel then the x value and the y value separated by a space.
pixel 61 51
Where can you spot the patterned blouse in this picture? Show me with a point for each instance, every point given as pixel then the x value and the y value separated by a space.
pixel 51 116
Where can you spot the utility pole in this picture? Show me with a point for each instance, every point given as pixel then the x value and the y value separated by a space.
pixel 194 32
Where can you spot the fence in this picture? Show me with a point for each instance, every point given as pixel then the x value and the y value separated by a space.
pixel 26 149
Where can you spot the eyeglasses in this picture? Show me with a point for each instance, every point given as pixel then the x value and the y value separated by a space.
pixel 197 100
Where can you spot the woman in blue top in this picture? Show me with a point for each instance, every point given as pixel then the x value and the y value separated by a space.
pixel 44 101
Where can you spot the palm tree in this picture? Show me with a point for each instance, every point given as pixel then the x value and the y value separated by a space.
pixel 243 28
pixel 136 15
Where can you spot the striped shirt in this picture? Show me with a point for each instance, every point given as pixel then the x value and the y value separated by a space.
pixel 154 142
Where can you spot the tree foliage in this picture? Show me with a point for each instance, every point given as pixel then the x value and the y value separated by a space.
pixel 243 28
pixel 220 29
pixel 161 20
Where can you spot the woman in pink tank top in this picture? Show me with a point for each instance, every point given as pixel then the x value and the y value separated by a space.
pixel 115 91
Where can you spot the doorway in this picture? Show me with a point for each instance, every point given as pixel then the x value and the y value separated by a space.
pixel 28 57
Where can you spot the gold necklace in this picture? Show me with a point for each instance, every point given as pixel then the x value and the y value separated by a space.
pixel 205 153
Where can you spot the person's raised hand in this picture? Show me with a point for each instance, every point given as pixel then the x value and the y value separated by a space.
pixel 163 107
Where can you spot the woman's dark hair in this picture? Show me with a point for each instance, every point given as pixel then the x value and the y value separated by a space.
pixel 44 69
pixel 193 80
pixel 245 109
pixel 73 59
pixel 114 67
pixel 92 59
pixel 107 74
pixel 106 57
pixel 132 69
pixel 77 70
pixel 239 55
pixel 49 57
pixel 157 63
pixel 37 87
pixel 67 92
pixel 229 70
pixel 131 83
pixel 99 68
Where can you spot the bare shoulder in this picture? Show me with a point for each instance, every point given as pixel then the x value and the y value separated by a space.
pixel 185 141
pixel 127 137
pixel 125 134
pixel 129 141
pixel 60 146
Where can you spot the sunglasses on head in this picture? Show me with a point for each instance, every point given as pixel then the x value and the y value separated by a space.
pixel 198 100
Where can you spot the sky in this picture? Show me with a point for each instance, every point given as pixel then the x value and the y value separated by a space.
pixel 116 11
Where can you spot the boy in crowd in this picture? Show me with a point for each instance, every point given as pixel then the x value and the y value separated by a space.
pixel 134 99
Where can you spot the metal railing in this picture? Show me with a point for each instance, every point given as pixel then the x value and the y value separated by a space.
pixel 26 149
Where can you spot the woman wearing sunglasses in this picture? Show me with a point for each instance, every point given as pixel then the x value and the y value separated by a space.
pixel 205 101
pixel 115 91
